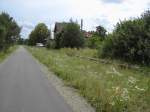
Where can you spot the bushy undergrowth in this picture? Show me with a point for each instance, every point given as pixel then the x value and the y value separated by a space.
pixel 130 41
pixel 94 42
pixel 106 87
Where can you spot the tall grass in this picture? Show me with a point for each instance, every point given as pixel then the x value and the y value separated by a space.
pixel 4 54
pixel 106 87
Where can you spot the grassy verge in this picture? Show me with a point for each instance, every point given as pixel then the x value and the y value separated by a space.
pixel 107 87
pixel 4 54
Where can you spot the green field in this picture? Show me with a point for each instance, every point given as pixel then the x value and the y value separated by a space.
pixel 4 54
pixel 107 87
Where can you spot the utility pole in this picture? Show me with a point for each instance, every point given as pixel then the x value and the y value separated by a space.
pixel 81 25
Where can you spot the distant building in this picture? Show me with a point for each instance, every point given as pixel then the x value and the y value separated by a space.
pixel 87 34
pixel 59 27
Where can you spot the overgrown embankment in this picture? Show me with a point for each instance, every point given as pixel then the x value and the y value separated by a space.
pixel 4 54
pixel 107 87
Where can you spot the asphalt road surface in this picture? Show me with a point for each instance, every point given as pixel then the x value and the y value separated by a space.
pixel 25 88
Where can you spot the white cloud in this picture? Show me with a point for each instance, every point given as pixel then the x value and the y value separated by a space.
pixel 94 12
pixel 112 1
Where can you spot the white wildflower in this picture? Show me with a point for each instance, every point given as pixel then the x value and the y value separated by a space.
pixel 140 89
pixel 87 67
pixel 132 80
pixel 125 94
pixel 116 72
pixel 113 71
pixel 112 103
pixel 109 72
pixel 95 72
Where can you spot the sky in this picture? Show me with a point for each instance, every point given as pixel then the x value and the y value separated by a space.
pixel 28 13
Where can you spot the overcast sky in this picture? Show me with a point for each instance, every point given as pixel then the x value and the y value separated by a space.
pixel 94 12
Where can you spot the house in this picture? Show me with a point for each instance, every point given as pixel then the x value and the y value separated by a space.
pixel 87 34
pixel 59 27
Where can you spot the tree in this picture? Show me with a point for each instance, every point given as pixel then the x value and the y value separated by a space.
pixel 101 31
pixel 146 19
pixel 32 38
pixel 71 36
pixel 9 31
pixel 39 35
pixel 2 36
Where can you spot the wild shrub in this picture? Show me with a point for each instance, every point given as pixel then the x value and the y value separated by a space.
pixel 94 42
pixel 130 40
pixel 51 44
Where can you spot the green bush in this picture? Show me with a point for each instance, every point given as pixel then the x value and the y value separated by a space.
pixel 2 37
pixel 58 37
pixel 51 44
pixel 94 42
pixel 130 41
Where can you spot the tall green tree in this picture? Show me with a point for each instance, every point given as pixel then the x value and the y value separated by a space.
pixel 101 31
pixel 71 36
pixel 39 35
pixel 9 30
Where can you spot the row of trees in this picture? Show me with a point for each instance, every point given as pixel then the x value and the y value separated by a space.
pixel 70 36
pixel 9 31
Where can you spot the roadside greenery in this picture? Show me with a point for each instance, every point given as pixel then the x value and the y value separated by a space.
pixel 130 41
pixel 9 31
pixel 94 42
pixel 107 87
pixel 4 54
pixel 98 37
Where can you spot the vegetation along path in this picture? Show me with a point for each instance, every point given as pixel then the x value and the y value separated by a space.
pixel 25 88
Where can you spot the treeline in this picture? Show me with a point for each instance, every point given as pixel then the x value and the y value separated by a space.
pixel 70 36
pixel 129 41
pixel 9 31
